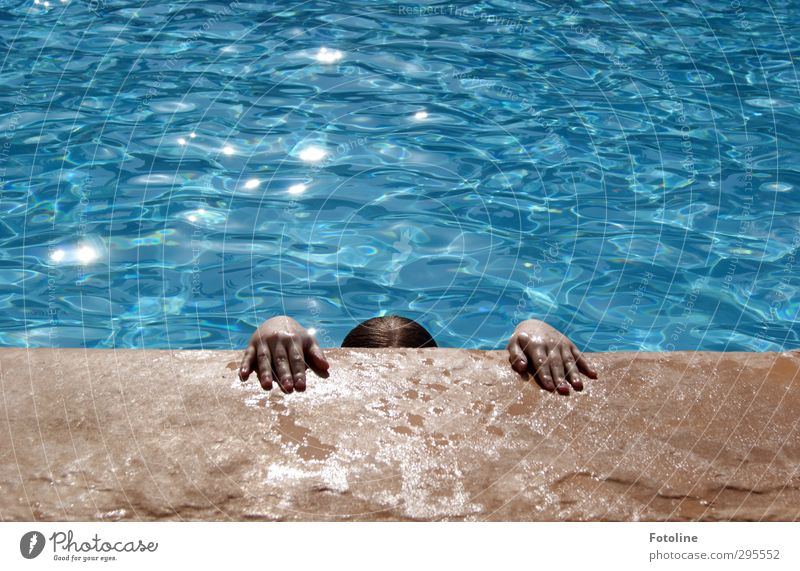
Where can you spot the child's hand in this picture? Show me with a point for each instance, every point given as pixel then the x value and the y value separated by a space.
pixel 553 359
pixel 281 348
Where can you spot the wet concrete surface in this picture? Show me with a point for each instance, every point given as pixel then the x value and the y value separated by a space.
pixel 394 434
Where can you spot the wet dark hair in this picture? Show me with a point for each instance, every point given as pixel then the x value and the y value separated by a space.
pixel 389 331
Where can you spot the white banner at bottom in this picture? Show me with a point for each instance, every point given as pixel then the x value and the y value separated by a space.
pixel 399 546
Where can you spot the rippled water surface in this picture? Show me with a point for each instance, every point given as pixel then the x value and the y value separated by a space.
pixel 174 173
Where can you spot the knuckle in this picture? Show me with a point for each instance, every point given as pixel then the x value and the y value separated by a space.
pixel 263 336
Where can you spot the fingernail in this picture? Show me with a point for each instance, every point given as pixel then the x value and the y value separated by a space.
pixel 563 388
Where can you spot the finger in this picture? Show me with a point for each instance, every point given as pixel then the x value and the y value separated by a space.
pixel 516 356
pixel 557 368
pixel 283 372
pixel 537 358
pixel 571 369
pixel 316 358
pixel 298 365
pixel 264 367
pixel 246 367
pixel 583 365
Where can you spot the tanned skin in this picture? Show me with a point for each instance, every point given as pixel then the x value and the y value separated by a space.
pixel 281 350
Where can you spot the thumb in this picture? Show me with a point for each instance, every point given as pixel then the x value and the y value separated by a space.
pixel 517 357
pixel 316 356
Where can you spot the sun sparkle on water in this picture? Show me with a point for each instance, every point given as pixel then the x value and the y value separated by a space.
pixel 312 154
pixel 324 55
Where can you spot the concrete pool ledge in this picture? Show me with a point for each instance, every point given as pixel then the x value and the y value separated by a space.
pixel 394 434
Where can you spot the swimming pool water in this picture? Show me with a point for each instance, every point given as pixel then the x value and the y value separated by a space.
pixel 175 173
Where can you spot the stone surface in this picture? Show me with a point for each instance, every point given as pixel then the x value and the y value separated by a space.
pixel 431 434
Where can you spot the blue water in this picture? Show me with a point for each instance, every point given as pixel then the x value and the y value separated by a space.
pixel 175 173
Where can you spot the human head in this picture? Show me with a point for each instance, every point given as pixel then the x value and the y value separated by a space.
pixel 389 331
